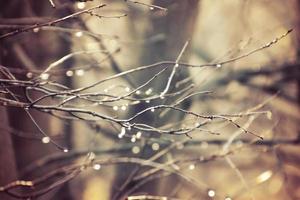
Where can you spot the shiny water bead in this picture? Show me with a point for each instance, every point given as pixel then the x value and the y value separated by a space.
pixel 211 193
pixel 155 146
pixel 138 134
pixel 80 5
pixel 78 34
pixel 44 76
pixel 136 149
pixel 29 75
pixel 115 108
pixel 192 167
pixel 45 140
pixel 96 166
pixel 69 73
pixel 133 139
pixel 79 72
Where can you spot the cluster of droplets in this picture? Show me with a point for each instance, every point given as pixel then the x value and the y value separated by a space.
pixel 122 107
pixel 212 193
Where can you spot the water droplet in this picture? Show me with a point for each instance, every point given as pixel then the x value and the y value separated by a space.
pixel 78 34
pixel 123 107
pixel 149 91
pixel 218 65
pixel 197 124
pixel 96 166
pixel 35 30
pixel 151 8
pixel 69 73
pixel 136 149
pixel 138 134
pixel 176 65
pixel 105 90
pixel 29 75
pixel 192 167
pixel 147 101
pixel 45 140
pixel 66 150
pixel 133 139
pixel 127 89
pixel 155 146
pixel 138 92
pixel 152 110
pixel 79 72
pixel 115 108
pixel 44 76
pixel 162 96
pixel 80 5
pixel 211 193
pixel 264 176
pixel 228 198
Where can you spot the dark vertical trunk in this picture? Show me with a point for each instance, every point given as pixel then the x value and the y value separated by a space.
pixel 8 170
pixel 177 27
pixel 40 49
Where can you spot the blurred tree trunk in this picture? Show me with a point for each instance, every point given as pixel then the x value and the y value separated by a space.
pixel 30 54
pixel 176 27
pixel 8 170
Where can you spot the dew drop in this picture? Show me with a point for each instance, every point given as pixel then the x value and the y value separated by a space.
pixel 79 72
pixel 138 92
pixel 211 193
pixel 135 149
pixel 123 107
pixel 138 134
pixel 152 110
pixel 35 30
pixel 133 139
pixel 218 65
pixel 127 89
pixel 66 150
pixel 44 76
pixel 151 8
pixel 192 167
pixel 96 166
pixel 149 91
pixel 69 73
pixel 155 146
pixel 80 5
pixel 29 75
pixel 115 108
pixel 45 140
pixel 78 34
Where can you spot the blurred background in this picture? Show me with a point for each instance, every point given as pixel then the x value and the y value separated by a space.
pixel 253 68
